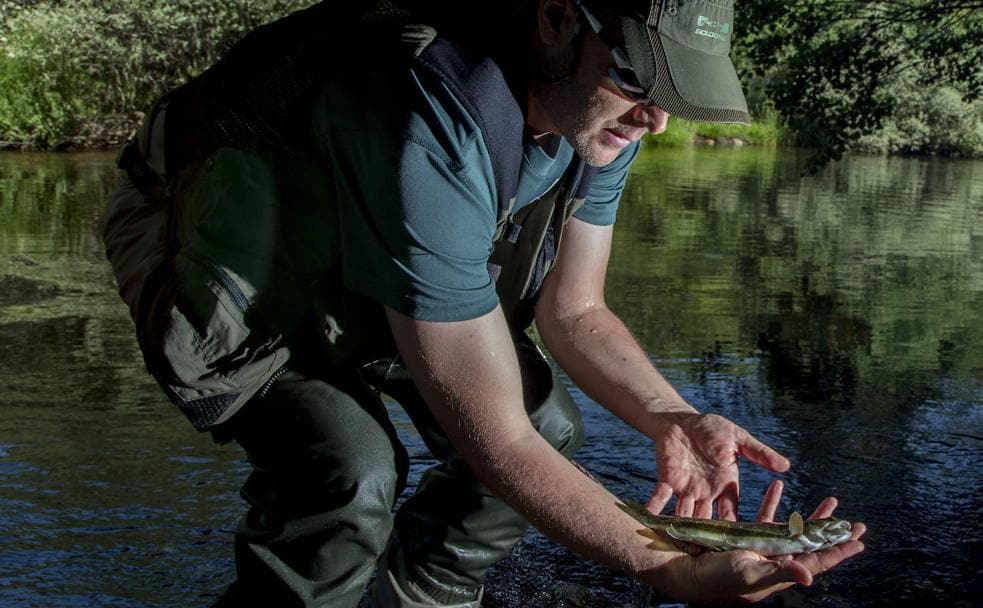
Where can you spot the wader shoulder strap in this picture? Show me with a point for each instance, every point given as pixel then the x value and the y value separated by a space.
pixel 527 243
pixel 147 171
pixel 481 87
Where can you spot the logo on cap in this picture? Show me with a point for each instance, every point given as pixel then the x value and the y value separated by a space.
pixel 705 26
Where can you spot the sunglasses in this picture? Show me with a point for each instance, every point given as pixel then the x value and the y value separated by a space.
pixel 621 73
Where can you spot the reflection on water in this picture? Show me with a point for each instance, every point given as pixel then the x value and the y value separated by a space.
pixel 833 315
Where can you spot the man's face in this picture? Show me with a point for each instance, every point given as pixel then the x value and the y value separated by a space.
pixel 588 109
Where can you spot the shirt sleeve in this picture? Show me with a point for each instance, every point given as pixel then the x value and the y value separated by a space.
pixel 601 207
pixel 416 207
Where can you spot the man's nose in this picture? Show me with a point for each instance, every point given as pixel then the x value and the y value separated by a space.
pixel 652 117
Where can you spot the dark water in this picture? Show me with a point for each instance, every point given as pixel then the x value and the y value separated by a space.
pixel 835 316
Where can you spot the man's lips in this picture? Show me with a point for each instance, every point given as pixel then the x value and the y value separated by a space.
pixel 626 137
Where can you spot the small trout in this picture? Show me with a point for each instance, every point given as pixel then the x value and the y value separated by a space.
pixel 796 536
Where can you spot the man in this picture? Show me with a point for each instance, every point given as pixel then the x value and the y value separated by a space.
pixel 352 203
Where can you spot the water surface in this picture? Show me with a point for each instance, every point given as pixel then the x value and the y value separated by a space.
pixel 835 316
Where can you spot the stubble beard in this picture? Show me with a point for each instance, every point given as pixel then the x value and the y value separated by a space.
pixel 576 111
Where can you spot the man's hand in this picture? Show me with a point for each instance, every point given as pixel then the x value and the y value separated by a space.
pixel 697 456
pixel 731 574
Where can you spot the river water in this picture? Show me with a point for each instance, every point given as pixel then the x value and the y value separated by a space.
pixel 836 316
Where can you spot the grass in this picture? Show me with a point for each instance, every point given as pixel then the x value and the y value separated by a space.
pixel 763 132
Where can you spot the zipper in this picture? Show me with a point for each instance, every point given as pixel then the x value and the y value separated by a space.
pixel 228 284
pixel 231 287
pixel 266 385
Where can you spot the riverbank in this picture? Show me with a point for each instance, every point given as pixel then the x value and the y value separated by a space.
pixel 92 136
pixel 680 133
pixel 767 131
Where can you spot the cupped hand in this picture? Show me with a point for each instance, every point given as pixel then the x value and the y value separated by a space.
pixel 812 563
pixel 747 575
pixel 696 455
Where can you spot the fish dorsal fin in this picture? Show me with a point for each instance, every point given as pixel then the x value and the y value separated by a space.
pixel 795 524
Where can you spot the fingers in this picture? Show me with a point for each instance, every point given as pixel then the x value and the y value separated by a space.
pixel 790 571
pixel 748 575
pixel 821 561
pixel 770 576
pixel 825 508
pixel 703 509
pixel 803 568
pixel 787 574
pixel 660 498
pixel 685 505
pixel 760 454
pixel 770 502
pixel 727 502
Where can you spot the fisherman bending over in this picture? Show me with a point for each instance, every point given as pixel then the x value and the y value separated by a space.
pixel 382 198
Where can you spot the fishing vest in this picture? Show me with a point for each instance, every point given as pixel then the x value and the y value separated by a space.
pixel 230 106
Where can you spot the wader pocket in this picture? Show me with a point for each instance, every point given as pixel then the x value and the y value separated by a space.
pixel 200 345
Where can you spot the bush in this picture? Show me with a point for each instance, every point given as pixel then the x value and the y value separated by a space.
pixel 935 120
pixel 81 71
pixel 44 84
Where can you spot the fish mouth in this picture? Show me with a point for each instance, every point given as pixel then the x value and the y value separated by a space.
pixel 839 531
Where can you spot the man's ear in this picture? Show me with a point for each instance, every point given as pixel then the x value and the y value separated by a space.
pixel 557 20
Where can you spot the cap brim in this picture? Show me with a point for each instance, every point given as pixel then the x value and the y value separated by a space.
pixel 684 79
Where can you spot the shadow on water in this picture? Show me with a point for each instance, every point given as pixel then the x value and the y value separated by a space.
pixel 834 316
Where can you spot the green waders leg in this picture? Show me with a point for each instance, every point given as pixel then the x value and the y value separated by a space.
pixel 327 470
pixel 453 529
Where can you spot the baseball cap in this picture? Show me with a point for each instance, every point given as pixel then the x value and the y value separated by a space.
pixel 680 52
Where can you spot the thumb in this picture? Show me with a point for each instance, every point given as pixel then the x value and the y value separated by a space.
pixel 776 575
pixel 776 572
pixel 760 454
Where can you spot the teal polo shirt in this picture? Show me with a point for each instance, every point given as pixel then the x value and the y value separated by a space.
pixel 395 198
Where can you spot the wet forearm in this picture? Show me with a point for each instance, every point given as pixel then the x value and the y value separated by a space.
pixel 602 357
pixel 469 376
pixel 573 510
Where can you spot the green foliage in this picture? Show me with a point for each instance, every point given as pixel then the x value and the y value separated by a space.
pixel 832 75
pixel 938 120
pixel 838 71
pixel 71 68
pixel 678 133
pixel 765 130
pixel 46 86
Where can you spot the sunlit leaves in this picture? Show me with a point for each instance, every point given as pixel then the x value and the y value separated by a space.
pixel 838 70
pixel 70 66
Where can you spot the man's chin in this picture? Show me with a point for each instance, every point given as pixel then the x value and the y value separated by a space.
pixel 598 150
pixel 599 156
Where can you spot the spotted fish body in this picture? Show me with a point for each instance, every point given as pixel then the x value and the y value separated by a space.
pixel 796 536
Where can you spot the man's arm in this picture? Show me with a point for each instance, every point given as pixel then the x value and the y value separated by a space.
pixel 696 453
pixel 469 376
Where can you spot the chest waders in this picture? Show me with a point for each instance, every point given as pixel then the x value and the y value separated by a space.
pixel 327 462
